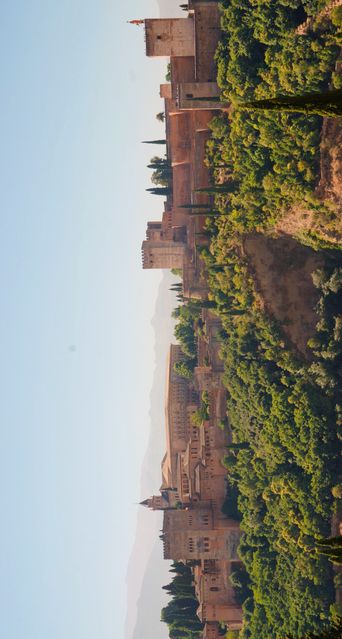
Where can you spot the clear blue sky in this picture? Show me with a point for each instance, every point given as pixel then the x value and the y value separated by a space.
pixel 77 96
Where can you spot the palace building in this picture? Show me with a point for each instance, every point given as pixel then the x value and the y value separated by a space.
pixel 194 486
pixel 191 495
pixel 191 100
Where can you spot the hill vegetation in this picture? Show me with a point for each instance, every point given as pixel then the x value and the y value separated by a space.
pixel 284 401
pixel 272 158
pixel 284 405
pixel 285 409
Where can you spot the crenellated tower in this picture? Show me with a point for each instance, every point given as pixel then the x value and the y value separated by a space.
pixel 196 534
pixel 162 254
pixel 170 37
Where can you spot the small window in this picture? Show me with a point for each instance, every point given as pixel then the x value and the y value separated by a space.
pixel 159 37
pixel 189 95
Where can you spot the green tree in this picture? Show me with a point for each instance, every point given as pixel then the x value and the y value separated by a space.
pixel 337 491
pixel 228 187
pixel 332 548
pixel 185 368
pixel 334 631
pixel 163 190
pixel 238 446
pixel 154 142
pixel 327 104
pixel 180 612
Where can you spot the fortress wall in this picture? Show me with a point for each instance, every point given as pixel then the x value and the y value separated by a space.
pixel 192 95
pixel 179 125
pixel 181 190
pixel 200 173
pixel 182 69
pixel 207 35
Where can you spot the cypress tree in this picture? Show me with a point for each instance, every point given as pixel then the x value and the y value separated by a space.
pixel 162 190
pixel 228 187
pixel 154 142
pixel 326 104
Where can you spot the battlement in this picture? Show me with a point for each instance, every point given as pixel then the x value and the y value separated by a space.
pixel 154 231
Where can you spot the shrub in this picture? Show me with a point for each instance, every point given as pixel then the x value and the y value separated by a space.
pixel 336 16
pixel 337 491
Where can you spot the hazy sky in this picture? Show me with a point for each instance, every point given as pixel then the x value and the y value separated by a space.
pixel 77 96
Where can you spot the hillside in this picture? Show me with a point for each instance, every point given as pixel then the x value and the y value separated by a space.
pixel 252 225
pixel 278 293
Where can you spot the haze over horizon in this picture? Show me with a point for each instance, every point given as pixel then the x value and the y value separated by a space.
pixel 77 342
pixel 147 571
pixel 146 562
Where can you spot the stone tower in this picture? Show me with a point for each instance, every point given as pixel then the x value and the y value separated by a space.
pixel 162 254
pixel 193 534
pixel 165 501
pixel 170 37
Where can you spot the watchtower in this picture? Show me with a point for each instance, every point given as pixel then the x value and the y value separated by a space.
pixel 170 37
pixel 162 254
pixel 193 534
pixel 167 500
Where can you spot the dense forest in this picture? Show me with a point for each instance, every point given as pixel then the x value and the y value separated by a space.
pixel 283 412
pixel 284 407
pixel 271 158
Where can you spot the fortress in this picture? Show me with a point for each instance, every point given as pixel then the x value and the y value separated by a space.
pixel 193 486
pixel 192 493
pixel 191 100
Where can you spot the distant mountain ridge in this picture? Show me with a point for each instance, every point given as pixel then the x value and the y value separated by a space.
pixel 147 571
pixel 144 589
